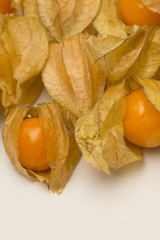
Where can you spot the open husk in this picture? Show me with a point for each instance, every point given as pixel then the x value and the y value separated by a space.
pixel 71 76
pixel 99 133
pixel 151 88
pixel 23 52
pixel 62 19
pixel 108 21
pixel 62 150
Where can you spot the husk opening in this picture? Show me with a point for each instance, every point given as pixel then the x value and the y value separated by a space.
pixel 62 151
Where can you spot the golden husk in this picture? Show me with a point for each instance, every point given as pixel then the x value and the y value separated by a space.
pixel 78 70
pixel 23 52
pixel 129 64
pixel 62 151
pixel 71 76
pixel 62 19
pixel 16 4
pixel 151 89
pixel 99 134
pixel 138 55
pixel 108 21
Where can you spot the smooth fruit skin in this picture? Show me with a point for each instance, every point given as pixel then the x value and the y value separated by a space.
pixel 32 149
pixel 134 12
pixel 141 121
pixel 5 6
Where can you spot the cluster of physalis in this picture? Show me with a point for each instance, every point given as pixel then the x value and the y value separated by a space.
pixel 100 63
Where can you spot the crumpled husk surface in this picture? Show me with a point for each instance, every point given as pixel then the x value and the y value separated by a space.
pixel 16 5
pixel 100 136
pixel 62 150
pixel 71 76
pixel 138 55
pixel 108 21
pixel 62 19
pixel 151 88
pixel 129 65
pixel 23 52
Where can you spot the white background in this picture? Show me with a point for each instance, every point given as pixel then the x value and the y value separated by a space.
pixel 93 205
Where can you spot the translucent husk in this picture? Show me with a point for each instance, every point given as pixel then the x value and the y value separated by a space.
pixel 62 151
pixel 138 55
pixel 108 21
pixel 16 4
pixel 99 133
pixel 62 19
pixel 23 52
pixel 71 76
pixel 151 89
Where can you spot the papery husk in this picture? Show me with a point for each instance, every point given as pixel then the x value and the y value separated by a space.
pixel 153 5
pixel 62 150
pixel 71 76
pixel 62 19
pixel 90 30
pixel 15 5
pixel 23 52
pixel 151 88
pixel 100 136
pixel 148 63
pixel 100 46
pixel 137 55
pixel 108 21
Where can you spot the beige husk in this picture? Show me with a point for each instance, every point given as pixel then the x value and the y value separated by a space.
pixel 62 19
pixel 151 89
pixel 71 76
pixel 77 72
pixel 16 4
pixel 62 151
pixel 129 64
pixel 137 55
pixel 99 134
pixel 23 52
pixel 108 21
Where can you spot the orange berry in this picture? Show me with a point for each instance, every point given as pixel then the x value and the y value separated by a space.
pixel 135 12
pixel 141 121
pixel 5 6
pixel 32 149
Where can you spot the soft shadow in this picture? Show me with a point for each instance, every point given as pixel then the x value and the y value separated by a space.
pixel 102 179
pixel 130 169
pixel 127 172
pixel 153 153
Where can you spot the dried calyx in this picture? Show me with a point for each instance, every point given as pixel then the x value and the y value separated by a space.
pixel 62 19
pixel 62 151
pixel 24 50
pixel 71 76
